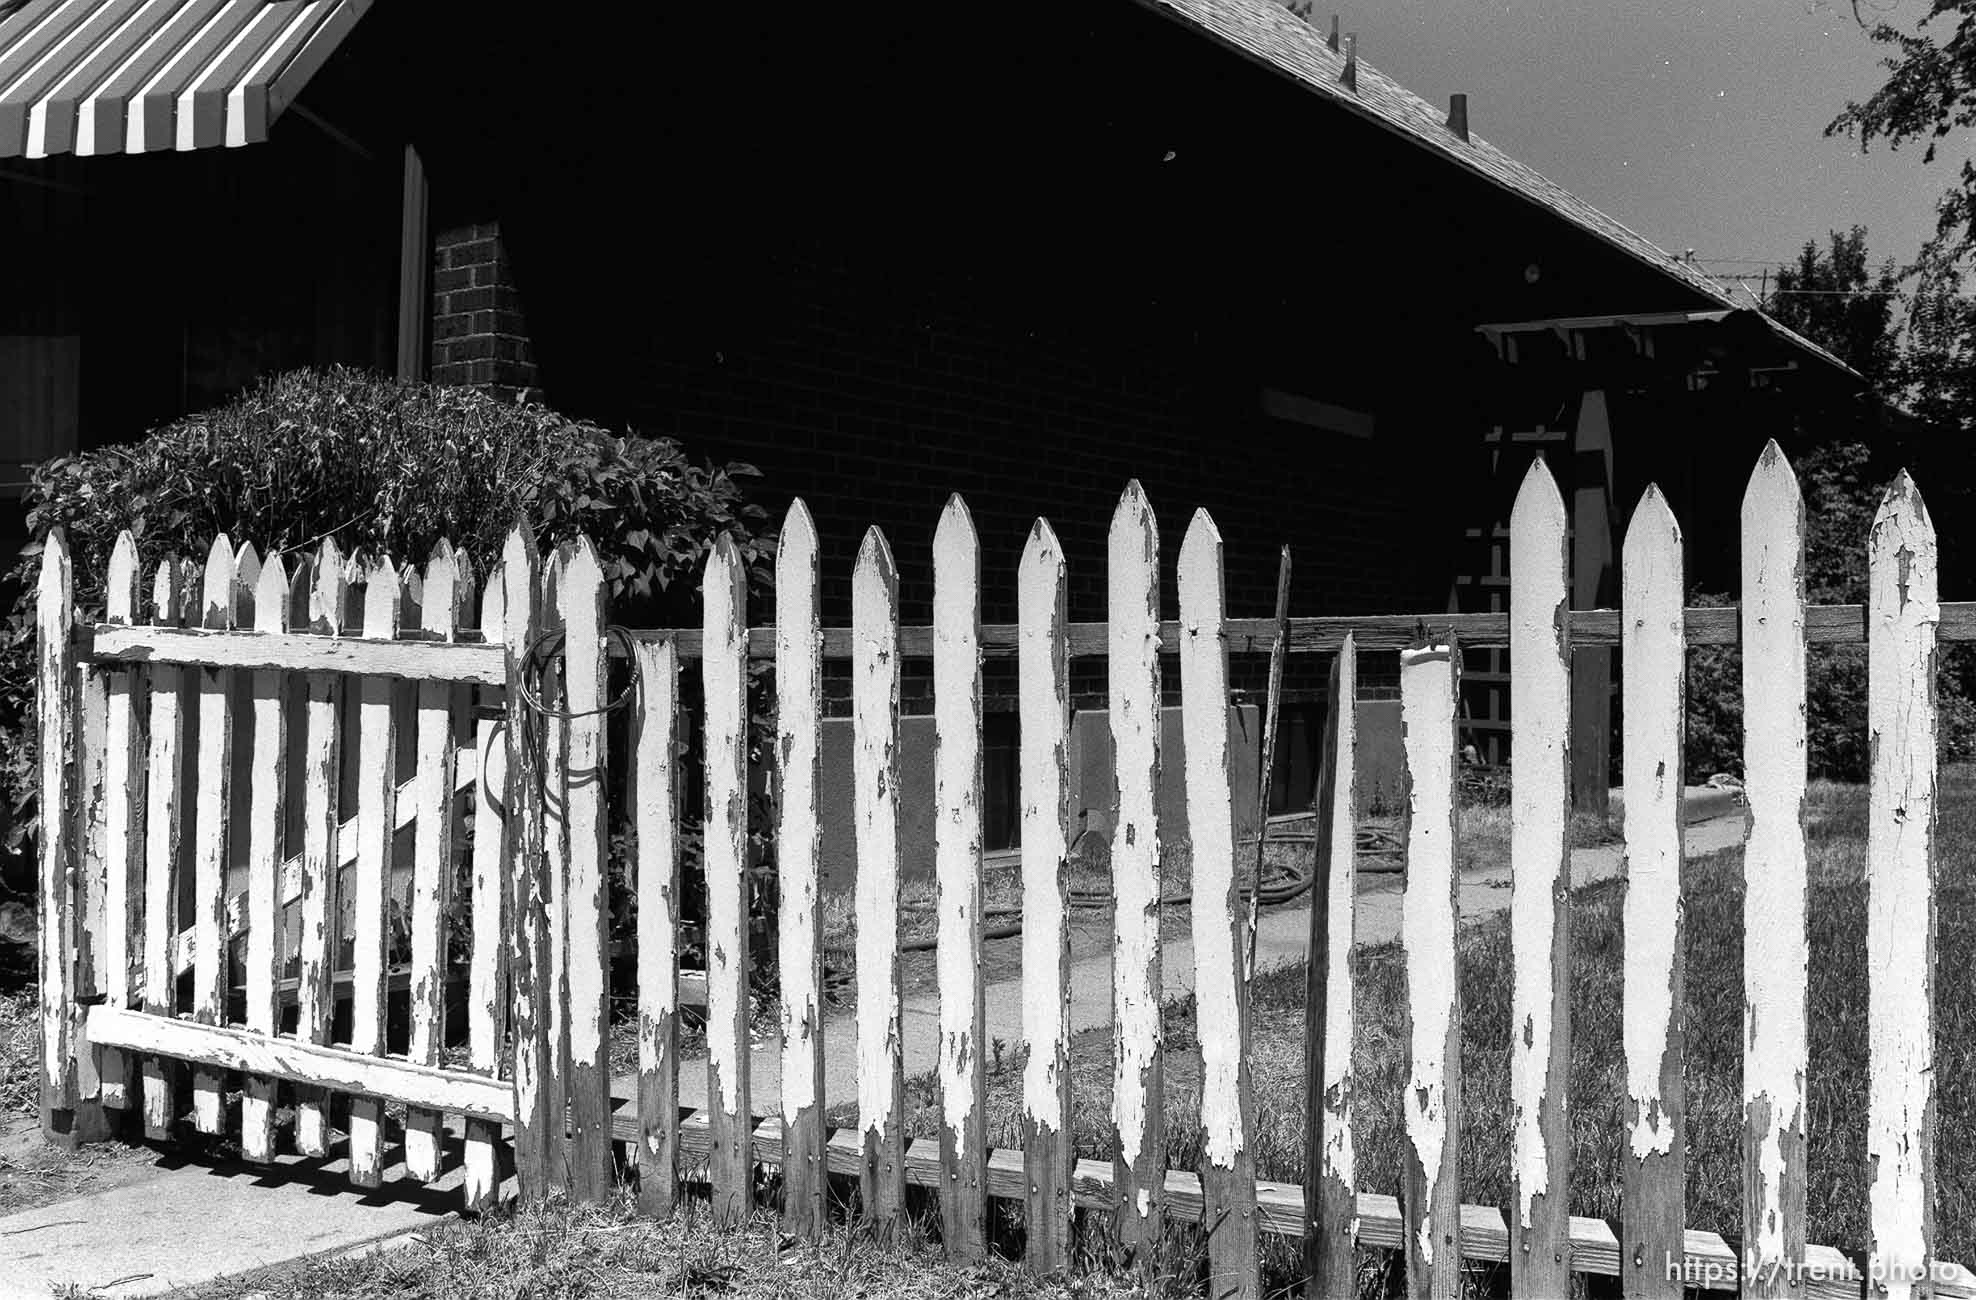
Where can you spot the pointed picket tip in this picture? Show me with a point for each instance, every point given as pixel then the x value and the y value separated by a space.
pixel 301 589
pixel 1537 498
pixel 271 597
pixel 494 607
pixel 120 594
pixel 1134 510
pixel 1203 539
pixel 798 528
pixel 442 555
pixel 519 553
pixel 56 571
pixel 1042 549
pixel 330 591
pixel 1902 502
pixel 167 593
pixel 956 526
pixel 216 585
pixel 1773 483
pixel 247 560
pixel 1653 524
pixel 875 555
pixel 583 569
pixel 382 597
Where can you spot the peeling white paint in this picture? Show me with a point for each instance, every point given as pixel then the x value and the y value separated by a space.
pixel 1211 828
pixel 1653 656
pixel 1045 719
pixel 957 815
pixel 1339 1156
pixel 1540 685
pixel 485 968
pixel 1427 911
pixel 122 757
pixel 586 686
pixel 1774 949
pixel 875 796
pixel 724 670
pixel 1132 580
pixel 1902 618
pixel 656 775
pixel 798 832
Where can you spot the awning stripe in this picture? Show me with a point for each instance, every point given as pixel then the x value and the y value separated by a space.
pixel 99 76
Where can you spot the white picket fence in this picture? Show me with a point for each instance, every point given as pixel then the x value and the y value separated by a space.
pixel 296 668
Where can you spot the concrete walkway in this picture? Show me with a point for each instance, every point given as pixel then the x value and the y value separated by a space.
pixel 190 1224
pixel 1714 822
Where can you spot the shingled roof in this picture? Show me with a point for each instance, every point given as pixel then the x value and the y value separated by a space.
pixel 1268 33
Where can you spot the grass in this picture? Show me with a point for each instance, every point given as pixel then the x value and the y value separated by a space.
pixel 610 1252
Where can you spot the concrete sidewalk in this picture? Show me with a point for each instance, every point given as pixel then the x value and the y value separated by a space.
pixel 1714 822
pixel 192 1223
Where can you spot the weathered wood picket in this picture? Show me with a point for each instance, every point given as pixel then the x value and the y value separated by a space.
pixel 360 790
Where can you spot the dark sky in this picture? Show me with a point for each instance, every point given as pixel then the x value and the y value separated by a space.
pixel 1700 125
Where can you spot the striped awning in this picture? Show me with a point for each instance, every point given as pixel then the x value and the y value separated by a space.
pixel 130 76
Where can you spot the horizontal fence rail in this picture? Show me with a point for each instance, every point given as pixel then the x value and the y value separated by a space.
pixel 273 779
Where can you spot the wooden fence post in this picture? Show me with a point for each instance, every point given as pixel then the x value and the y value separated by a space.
pixel 1430 691
pixel 798 856
pixel 377 804
pixel 655 804
pixel 586 674
pixel 1044 667
pixel 1540 889
pixel 163 838
pixel 55 719
pixel 1774 901
pixel 432 858
pixel 487 969
pixel 553 982
pixel 875 799
pixel 1902 615
pixel 957 864
pixel 267 801
pixel 213 822
pixel 1330 1187
pixel 322 775
pixel 124 784
pixel 1653 656
pixel 1138 1094
pixel 724 672
pixel 539 1134
pixel 1221 999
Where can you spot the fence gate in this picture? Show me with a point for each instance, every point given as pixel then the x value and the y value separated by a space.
pixel 276 792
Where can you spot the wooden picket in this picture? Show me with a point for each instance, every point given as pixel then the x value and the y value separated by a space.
pixel 586 675
pixel 487 1018
pixel 1540 888
pixel 1902 617
pixel 655 793
pixel 1653 658
pixel 322 846
pixel 799 858
pixel 1138 1117
pixel 724 678
pixel 875 800
pixel 124 810
pixel 1228 1174
pixel 524 782
pixel 957 867
pixel 212 826
pixel 1775 891
pixel 1430 693
pixel 1330 1178
pixel 1045 726
pixel 268 781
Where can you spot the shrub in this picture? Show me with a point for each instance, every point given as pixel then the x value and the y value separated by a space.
pixel 385 466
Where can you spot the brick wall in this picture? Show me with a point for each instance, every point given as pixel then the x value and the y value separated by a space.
pixel 479 333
